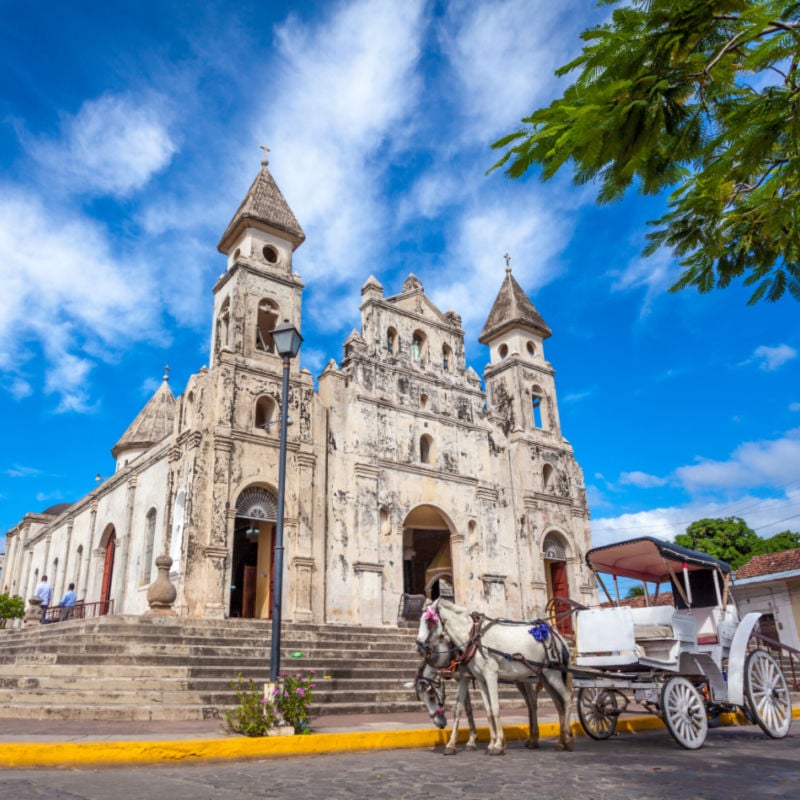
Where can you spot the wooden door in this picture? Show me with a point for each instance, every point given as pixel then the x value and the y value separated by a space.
pixel 560 588
pixel 108 573
pixel 249 591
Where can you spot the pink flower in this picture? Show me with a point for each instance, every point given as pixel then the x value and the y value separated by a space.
pixel 301 691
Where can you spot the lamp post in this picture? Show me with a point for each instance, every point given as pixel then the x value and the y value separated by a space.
pixel 287 344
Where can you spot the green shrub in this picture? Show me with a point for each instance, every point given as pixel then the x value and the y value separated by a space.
pixel 253 716
pixel 294 694
pixel 10 608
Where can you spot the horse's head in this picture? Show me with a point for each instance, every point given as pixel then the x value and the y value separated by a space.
pixel 430 692
pixel 432 641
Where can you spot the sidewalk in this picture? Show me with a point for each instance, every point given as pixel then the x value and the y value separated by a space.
pixel 65 743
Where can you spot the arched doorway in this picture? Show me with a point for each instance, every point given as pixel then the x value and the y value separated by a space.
pixel 108 572
pixel 554 552
pixel 253 563
pixel 427 560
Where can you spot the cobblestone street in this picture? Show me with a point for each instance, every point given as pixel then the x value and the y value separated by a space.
pixel 734 763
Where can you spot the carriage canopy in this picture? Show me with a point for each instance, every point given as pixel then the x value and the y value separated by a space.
pixel 650 559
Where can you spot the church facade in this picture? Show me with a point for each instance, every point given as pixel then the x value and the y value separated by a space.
pixel 404 475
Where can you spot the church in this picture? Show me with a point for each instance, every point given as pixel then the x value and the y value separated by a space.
pixel 407 473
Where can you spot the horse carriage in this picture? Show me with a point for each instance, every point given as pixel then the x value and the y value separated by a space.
pixel 684 655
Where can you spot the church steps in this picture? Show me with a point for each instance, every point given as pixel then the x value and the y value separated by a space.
pixel 174 668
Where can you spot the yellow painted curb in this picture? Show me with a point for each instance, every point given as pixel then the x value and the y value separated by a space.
pixel 70 754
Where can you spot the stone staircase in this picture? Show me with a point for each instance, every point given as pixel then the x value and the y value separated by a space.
pixel 150 668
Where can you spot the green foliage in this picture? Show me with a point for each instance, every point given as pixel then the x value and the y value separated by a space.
pixel 698 96
pixel 253 716
pixel 294 695
pixel 10 608
pixel 786 540
pixel 256 715
pixel 636 591
pixel 729 539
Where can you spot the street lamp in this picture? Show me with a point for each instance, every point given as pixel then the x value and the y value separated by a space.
pixel 287 344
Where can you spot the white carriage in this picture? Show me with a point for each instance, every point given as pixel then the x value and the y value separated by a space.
pixel 686 661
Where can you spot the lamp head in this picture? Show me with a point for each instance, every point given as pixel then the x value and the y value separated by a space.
pixel 287 339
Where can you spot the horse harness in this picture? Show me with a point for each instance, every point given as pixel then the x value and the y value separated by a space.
pixel 461 656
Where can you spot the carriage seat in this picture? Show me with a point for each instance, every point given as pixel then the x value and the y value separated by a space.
pixel 653 622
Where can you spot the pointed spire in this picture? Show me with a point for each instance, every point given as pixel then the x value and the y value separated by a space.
pixel 153 422
pixel 512 308
pixel 263 207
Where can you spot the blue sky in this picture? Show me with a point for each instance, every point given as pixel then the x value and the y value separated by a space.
pixel 130 131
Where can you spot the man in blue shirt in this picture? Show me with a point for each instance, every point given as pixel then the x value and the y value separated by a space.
pixel 45 591
pixel 68 602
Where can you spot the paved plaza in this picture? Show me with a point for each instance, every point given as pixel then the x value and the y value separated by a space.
pixel 735 762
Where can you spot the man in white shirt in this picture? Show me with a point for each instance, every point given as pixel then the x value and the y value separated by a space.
pixel 45 591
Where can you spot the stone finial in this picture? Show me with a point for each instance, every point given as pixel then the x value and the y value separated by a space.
pixel 33 613
pixel 161 594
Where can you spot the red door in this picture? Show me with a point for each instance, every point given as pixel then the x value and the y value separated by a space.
pixel 108 573
pixel 560 588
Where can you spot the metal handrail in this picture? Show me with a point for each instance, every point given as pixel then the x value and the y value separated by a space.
pixel 80 610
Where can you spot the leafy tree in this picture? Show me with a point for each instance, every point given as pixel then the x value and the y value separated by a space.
pixel 10 608
pixel 700 96
pixel 729 539
pixel 786 540
pixel 636 591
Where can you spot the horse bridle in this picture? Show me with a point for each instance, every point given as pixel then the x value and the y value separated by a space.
pixel 433 687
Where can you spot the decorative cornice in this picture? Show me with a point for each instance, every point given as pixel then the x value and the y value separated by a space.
pixel 422 471
pixel 487 493
pixel 365 566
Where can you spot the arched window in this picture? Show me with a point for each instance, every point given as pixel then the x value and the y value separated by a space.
pixel 503 351
pixel 426 449
pixel 537 396
pixel 391 341
pixel 447 358
pixel 176 538
pixel 188 410
pixel 149 544
pixel 78 561
pixel 266 413
pixel 224 325
pixel 418 347
pixel 553 547
pixel 547 478
pixel 531 347
pixel 267 320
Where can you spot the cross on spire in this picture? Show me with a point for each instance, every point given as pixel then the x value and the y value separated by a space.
pixel 166 372
pixel 507 257
pixel 265 159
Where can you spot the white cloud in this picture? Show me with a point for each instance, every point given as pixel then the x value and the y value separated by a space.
pixel 112 146
pixel 771 358
pixel 774 463
pixel 345 92
pixel 72 298
pixel 641 479
pixel 655 274
pixel 794 406
pixel 504 56
pixel 766 516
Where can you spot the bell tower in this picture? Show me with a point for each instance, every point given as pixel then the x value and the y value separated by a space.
pixel 258 290
pixel 519 381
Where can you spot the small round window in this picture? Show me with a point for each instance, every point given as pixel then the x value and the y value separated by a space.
pixel 270 254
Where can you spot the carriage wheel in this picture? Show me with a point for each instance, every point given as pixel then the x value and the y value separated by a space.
pixel 767 694
pixel 684 713
pixel 597 711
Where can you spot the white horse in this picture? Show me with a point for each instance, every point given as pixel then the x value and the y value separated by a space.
pixel 430 688
pixel 491 650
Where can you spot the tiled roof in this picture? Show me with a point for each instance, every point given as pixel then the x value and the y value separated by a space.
pixel 152 424
pixel 768 563
pixel 264 204
pixel 512 307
